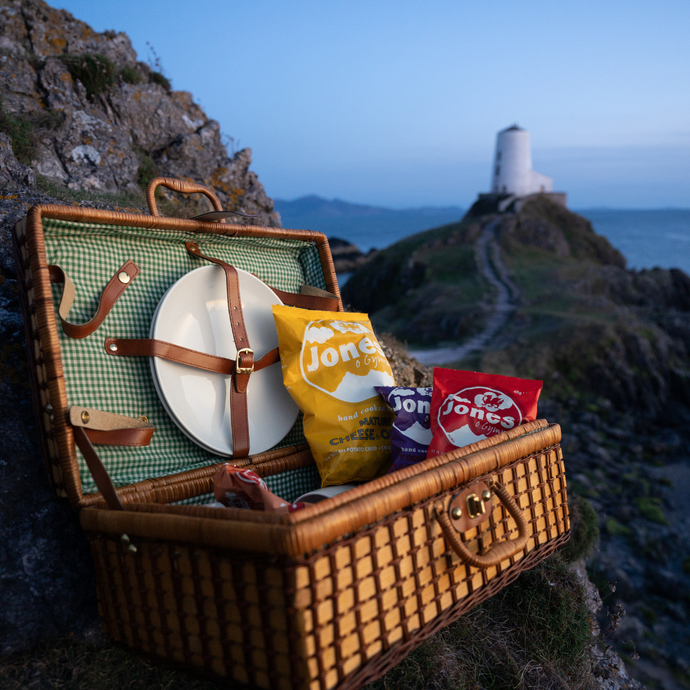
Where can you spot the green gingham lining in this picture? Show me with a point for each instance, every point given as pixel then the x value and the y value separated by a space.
pixel 90 254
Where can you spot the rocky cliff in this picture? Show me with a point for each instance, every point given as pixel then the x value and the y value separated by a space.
pixel 83 112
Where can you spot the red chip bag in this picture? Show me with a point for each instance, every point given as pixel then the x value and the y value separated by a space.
pixel 467 407
pixel 242 488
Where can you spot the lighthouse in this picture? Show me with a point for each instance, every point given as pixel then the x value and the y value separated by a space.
pixel 512 173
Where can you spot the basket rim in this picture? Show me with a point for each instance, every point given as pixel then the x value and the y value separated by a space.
pixel 295 534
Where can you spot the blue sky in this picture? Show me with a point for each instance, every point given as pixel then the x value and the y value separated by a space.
pixel 397 103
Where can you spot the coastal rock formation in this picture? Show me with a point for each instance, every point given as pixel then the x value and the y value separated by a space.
pixel 612 346
pixel 47 587
pixel 347 257
pixel 85 113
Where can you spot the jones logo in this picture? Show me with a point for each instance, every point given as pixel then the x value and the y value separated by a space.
pixel 343 359
pixel 419 406
pixel 476 413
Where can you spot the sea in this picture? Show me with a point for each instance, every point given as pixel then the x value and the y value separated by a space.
pixel 647 238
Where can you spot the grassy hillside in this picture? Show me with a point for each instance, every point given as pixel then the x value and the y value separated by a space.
pixel 425 288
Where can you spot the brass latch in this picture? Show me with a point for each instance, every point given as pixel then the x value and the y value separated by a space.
pixel 471 507
pixel 475 506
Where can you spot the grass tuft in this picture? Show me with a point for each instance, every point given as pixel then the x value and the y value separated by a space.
pixel 92 665
pixel 615 529
pixel 650 507
pixel 95 72
pixel 26 130
pixel 131 75
pixel 158 78
pixel 147 171
pixel 133 201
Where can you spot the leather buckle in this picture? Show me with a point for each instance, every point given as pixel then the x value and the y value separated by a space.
pixel 244 370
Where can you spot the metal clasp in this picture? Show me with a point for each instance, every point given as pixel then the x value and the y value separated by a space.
pixel 475 506
pixel 471 507
pixel 244 370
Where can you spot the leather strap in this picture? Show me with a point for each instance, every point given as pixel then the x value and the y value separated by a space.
pixel 244 364
pixel 117 285
pixel 144 347
pixel 98 472
pixel 120 437
pixel 309 298
pixel 110 429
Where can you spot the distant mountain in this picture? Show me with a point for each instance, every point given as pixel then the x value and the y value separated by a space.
pixel 365 226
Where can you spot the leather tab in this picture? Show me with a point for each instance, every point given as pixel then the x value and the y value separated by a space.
pixel 115 287
pixel 110 429
pixel 120 437
pixel 239 418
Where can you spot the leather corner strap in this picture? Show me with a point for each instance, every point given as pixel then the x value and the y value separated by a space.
pixel 98 472
pixel 309 298
pixel 90 426
pixel 113 290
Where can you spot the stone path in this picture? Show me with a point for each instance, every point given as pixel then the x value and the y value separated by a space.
pixel 493 269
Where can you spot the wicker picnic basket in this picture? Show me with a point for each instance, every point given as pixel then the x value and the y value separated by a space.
pixel 330 596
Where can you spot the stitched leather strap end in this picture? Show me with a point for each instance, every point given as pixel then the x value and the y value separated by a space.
pixel 109 429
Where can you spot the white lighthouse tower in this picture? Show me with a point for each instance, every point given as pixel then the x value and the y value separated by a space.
pixel 512 173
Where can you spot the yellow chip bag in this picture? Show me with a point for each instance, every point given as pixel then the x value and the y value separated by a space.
pixel 331 362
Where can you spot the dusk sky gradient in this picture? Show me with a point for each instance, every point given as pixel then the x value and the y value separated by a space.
pixel 398 103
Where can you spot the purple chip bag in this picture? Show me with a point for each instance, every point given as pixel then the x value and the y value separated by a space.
pixel 411 433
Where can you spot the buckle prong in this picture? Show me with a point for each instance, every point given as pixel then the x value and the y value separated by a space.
pixel 244 370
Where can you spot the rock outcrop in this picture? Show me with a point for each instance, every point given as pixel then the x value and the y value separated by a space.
pixel 88 115
pixel 612 346
pixel 347 257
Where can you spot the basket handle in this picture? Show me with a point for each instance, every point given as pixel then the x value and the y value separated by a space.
pixel 181 186
pixel 497 552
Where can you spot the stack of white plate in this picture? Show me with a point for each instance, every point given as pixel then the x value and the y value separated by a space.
pixel 193 313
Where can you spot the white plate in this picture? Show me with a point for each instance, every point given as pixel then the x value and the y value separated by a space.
pixel 194 314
